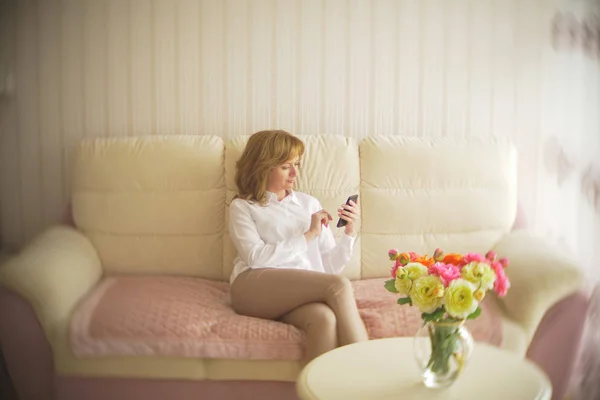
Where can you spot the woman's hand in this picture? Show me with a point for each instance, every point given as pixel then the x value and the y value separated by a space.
pixel 349 213
pixel 317 220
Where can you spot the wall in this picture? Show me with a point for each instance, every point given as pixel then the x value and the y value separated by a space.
pixel 351 67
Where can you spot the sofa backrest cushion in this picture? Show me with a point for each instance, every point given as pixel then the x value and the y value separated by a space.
pixel 152 205
pixel 330 172
pixel 159 204
pixel 419 194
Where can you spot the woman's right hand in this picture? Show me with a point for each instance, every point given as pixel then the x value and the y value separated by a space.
pixel 317 220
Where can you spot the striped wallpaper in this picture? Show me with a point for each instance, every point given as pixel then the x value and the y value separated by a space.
pixel 231 67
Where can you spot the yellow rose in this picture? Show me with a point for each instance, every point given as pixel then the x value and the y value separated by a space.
pixel 468 272
pixel 459 299
pixel 488 277
pixel 415 270
pixel 481 274
pixel 479 294
pixel 427 293
pixel 401 273
pixel 403 286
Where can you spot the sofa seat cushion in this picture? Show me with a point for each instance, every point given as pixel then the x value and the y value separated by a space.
pixel 175 316
pixel 192 317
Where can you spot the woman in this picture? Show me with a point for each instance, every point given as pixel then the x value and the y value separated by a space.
pixel 288 262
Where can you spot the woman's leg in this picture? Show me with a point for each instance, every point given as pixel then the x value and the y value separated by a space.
pixel 271 292
pixel 318 322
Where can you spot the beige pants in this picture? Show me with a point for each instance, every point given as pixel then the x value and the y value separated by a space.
pixel 322 305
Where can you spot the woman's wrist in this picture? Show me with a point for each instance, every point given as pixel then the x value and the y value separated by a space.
pixel 309 235
pixel 349 231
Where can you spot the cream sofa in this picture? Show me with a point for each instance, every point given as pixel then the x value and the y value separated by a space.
pixel 132 299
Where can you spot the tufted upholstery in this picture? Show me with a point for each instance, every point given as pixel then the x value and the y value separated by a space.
pixel 152 205
pixel 419 194
pixel 160 204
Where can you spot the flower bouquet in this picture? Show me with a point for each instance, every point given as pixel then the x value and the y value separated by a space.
pixel 447 289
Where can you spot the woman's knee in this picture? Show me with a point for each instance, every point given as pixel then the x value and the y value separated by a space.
pixel 322 316
pixel 338 286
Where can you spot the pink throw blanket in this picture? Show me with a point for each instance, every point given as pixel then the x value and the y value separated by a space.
pixel 191 317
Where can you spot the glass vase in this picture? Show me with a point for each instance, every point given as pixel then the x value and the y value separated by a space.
pixel 442 349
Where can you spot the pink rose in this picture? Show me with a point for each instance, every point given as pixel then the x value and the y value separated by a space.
pixel 393 254
pixel 436 268
pixel 471 257
pixel 504 262
pixel 451 273
pixel 491 255
pixel 496 266
pixel 446 272
pixel 502 284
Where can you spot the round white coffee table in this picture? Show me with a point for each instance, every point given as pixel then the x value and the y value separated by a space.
pixel 386 369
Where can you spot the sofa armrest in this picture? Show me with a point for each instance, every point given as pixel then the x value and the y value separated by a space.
pixel 53 273
pixel 540 277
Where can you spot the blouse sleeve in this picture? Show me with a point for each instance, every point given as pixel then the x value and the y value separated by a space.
pixel 335 255
pixel 250 246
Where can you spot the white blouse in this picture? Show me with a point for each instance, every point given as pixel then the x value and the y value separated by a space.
pixel 272 236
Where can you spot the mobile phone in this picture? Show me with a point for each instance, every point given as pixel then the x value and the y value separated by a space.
pixel 342 222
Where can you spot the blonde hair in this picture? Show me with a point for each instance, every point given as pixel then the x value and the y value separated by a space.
pixel 264 151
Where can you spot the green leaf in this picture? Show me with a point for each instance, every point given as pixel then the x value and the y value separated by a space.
pixel 405 300
pixel 437 314
pixel 427 317
pixel 390 286
pixel 475 313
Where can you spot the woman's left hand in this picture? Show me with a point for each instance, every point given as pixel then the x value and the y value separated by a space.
pixel 350 213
